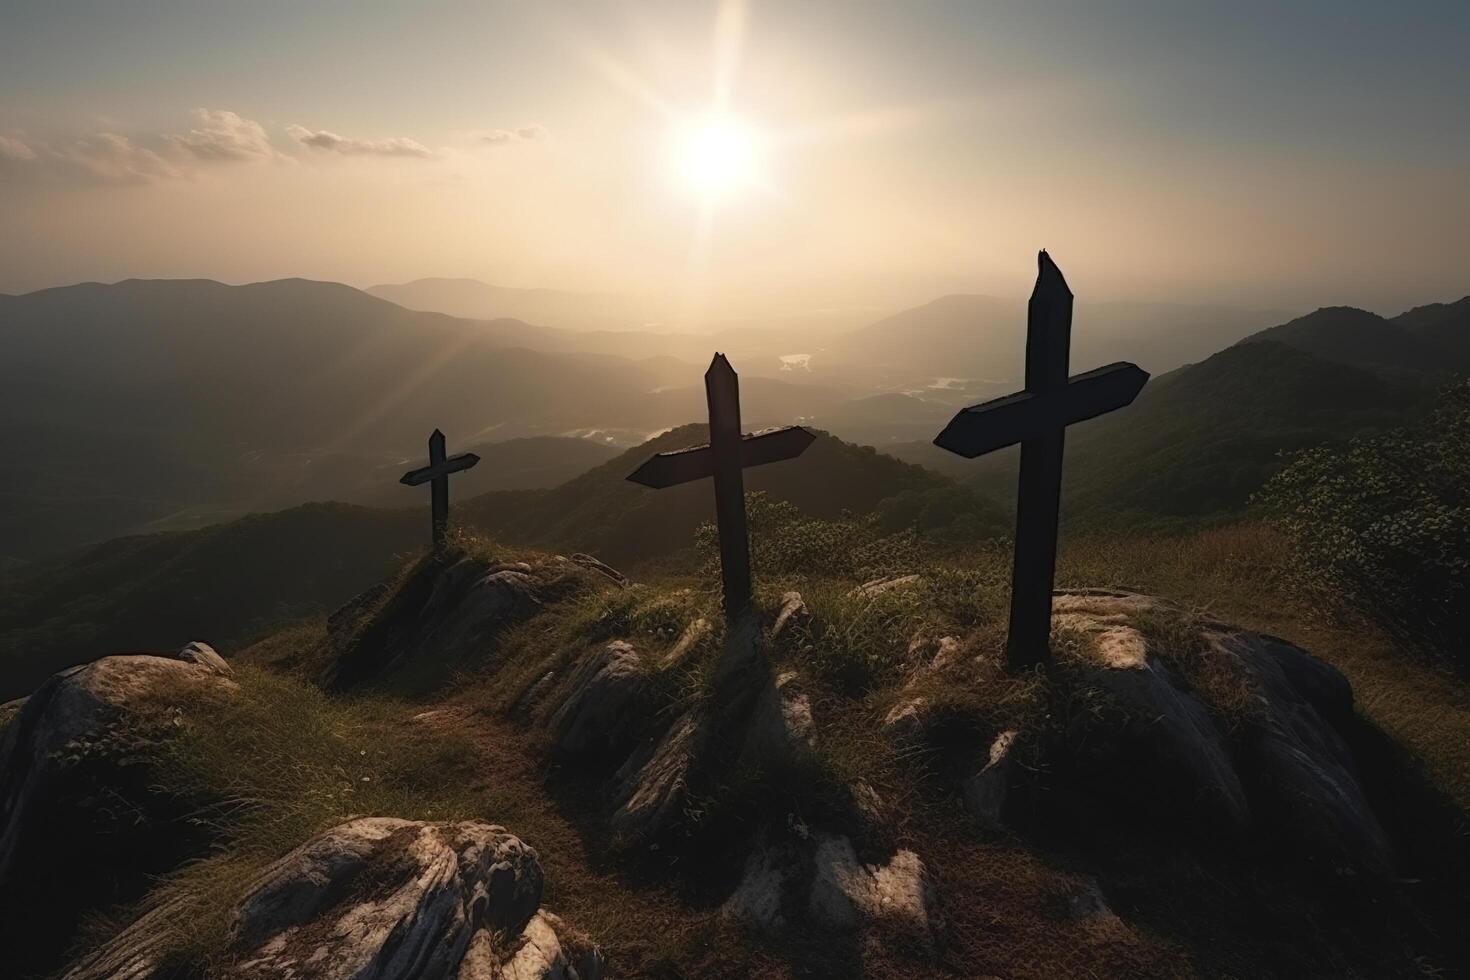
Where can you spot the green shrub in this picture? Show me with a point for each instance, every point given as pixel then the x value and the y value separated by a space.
pixel 1384 524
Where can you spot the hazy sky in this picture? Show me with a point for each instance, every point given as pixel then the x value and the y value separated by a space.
pixel 1289 153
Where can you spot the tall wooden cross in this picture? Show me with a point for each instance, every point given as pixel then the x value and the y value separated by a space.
pixel 725 459
pixel 1037 418
pixel 436 474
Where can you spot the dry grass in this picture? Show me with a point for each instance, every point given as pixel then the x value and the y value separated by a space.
pixel 283 762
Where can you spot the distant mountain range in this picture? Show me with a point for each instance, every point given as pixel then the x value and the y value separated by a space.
pixel 1201 439
pixel 178 403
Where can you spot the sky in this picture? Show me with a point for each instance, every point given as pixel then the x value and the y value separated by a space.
pixel 1262 154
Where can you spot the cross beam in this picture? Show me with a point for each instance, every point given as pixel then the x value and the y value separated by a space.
pixel 437 475
pixel 724 459
pixel 1037 418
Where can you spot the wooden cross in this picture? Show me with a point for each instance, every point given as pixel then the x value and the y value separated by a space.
pixel 725 458
pixel 1037 418
pixel 437 475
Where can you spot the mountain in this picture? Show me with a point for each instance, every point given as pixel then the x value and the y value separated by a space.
pixel 227 582
pixel 1200 440
pixel 962 347
pixel 624 523
pixel 476 300
pixel 187 401
pixel 1428 340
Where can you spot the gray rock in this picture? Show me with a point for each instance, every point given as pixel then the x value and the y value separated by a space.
pixel 599 702
pixel 650 787
pixel 781 724
pixel 880 586
pixel 69 719
pixel 905 721
pixel 1307 778
pixel 821 882
pixel 1305 784
pixel 1183 745
pixel 605 570
pixel 792 616
pixel 693 633
pixel 202 654
pixel 381 899
pixel 985 792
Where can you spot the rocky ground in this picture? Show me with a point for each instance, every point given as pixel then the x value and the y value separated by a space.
pixel 568 775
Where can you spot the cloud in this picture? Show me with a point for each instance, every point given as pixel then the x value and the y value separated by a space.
pixel 108 158
pixel 224 136
pixel 521 134
pixel 220 137
pixel 321 139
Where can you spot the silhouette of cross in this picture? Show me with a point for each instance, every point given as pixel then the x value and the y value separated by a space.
pixel 1037 418
pixel 437 475
pixel 725 458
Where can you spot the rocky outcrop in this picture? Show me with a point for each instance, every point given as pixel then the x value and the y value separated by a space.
pixel 882 586
pixel 83 820
pixel 85 723
pixel 381 899
pixel 600 705
pixel 821 881
pixel 450 612
pixel 1281 763
pixel 781 725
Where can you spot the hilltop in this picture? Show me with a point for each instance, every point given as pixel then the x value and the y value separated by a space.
pixel 855 787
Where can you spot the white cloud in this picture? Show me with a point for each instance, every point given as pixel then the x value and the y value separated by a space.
pixel 224 136
pixel 520 134
pixel 321 139
pixel 221 137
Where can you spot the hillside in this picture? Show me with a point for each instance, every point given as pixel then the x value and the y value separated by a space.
pixel 968 346
pixel 623 523
pixel 850 783
pixel 1199 441
pixel 228 582
pixel 1365 340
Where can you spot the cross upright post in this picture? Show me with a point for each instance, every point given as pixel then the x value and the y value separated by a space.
pixel 1037 418
pixel 724 459
pixel 436 474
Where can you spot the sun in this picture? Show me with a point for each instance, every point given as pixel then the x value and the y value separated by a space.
pixel 716 155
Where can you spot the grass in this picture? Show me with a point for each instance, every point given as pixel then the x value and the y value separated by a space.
pixel 282 761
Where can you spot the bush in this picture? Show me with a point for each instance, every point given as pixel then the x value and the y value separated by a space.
pixel 1384 525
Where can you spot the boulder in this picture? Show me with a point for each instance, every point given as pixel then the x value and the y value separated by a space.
pixel 1283 767
pixel 600 703
pixel 84 822
pixel 820 881
pixel 380 899
pixel 1165 740
pixel 84 724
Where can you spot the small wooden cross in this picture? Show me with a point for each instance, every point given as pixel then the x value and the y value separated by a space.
pixel 725 458
pixel 1037 418
pixel 437 475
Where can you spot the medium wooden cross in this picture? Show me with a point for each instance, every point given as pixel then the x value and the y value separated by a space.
pixel 1037 418
pixel 437 475
pixel 725 458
